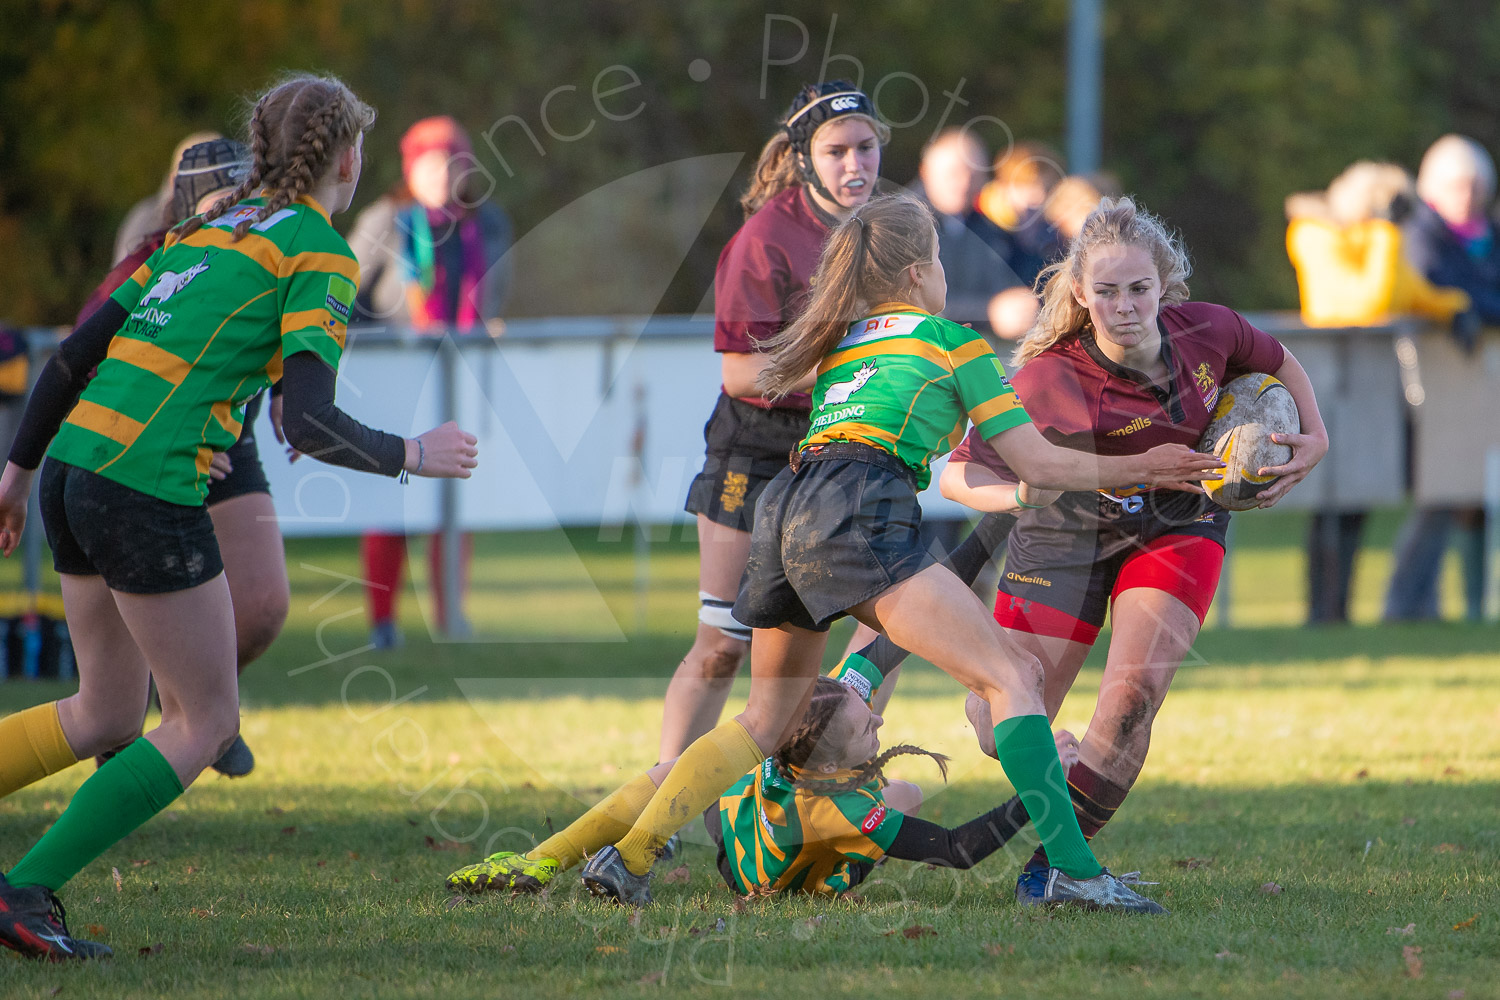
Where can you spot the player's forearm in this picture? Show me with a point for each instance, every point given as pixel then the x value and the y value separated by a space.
pixel 1294 377
pixel 319 429
pixel 963 846
pixel 977 487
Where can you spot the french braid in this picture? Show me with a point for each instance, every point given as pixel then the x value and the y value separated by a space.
pixel 297 130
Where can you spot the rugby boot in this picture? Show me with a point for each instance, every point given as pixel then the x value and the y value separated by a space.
pixel 1031 887
pixel 34 923
pixel 1102 892
pixel 606 876
pixel 237 761
pixel 506 871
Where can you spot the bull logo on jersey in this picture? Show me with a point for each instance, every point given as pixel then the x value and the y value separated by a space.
pixel 839 392
pixel 1203 378
pixel 169 283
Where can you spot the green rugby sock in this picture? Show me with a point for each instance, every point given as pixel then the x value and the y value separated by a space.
pixel 134 785
pixel 1028 753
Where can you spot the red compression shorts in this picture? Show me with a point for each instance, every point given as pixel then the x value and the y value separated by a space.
pixel 1185 566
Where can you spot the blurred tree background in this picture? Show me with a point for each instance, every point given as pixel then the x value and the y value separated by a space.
pixel 1213 113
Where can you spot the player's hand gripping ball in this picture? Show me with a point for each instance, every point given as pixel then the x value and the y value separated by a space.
pixel 1250 409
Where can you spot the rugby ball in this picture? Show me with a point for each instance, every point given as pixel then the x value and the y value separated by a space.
pixel 1249 410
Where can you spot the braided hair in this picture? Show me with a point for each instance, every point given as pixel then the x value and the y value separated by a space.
pixel 808 743
pixel 298 128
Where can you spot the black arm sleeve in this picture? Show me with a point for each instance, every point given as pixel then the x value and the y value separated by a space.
pixel 319 429
pixel 62 378
pixel 966 561
pixel 961 847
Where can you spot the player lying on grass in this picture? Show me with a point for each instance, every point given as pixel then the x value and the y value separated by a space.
pixel 836 533
pixel 257 288
pixel 815 816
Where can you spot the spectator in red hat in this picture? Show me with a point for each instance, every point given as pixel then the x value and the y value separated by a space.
pixel 432 257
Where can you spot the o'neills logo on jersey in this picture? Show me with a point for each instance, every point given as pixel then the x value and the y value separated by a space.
pixel 1018 578
pixel 1203 378
pixel 872 820
pixel 1138 424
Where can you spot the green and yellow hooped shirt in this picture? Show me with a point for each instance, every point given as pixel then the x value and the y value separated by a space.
pixel 210 321
pixel 780 838
pixel 909 382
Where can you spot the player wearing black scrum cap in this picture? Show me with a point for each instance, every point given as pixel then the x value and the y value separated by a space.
pixel 822 163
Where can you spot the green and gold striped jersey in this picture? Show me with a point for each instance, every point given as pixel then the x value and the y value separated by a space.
pixel 780 838
pixel 209 321
pixel 909 383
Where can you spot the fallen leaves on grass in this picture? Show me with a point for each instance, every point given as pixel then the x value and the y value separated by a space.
pixel 1412 955
pixel 96 930
pixel 289 830
pixel 914 932
pixel 143 862
pixel 1192 863
pixel 1272 889
pixel 1449 848
pixel 147 950
pixel 677 876
pixel 275 811
pixel 653 978
pixel 199 911
pixel 192 869
pixel 1451 772
pixel 1464 925
pixel 1362 774
pixel 997 949
pixel 353 855
pixel 456 901
pixel 1408 930
pixel 444 845
pixel 119 881
pixel 609 949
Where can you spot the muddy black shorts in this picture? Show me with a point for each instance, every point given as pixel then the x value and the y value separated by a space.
pixel 844 528
pixel 246 474
pixel 140 544
pixel 746 447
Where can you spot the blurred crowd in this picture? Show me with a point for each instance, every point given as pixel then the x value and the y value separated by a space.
pixel 1380 243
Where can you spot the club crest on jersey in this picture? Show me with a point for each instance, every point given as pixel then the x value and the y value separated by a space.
pixel 839 392
pixel 169 283
pixel 1203 378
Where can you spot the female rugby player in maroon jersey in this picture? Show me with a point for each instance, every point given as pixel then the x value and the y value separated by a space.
pixel 822 163
pixel 1118 362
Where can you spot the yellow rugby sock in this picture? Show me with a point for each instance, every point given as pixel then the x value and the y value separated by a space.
pixel 32 746
pixel 604 824
pixel 701 774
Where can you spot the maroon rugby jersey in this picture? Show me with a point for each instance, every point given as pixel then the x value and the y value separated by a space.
pixel 1080 399
pixel 762 278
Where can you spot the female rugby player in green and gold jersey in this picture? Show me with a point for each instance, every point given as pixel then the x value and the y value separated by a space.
pixel 258 288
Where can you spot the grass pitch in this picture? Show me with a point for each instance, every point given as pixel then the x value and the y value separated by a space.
pixel 1322 808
